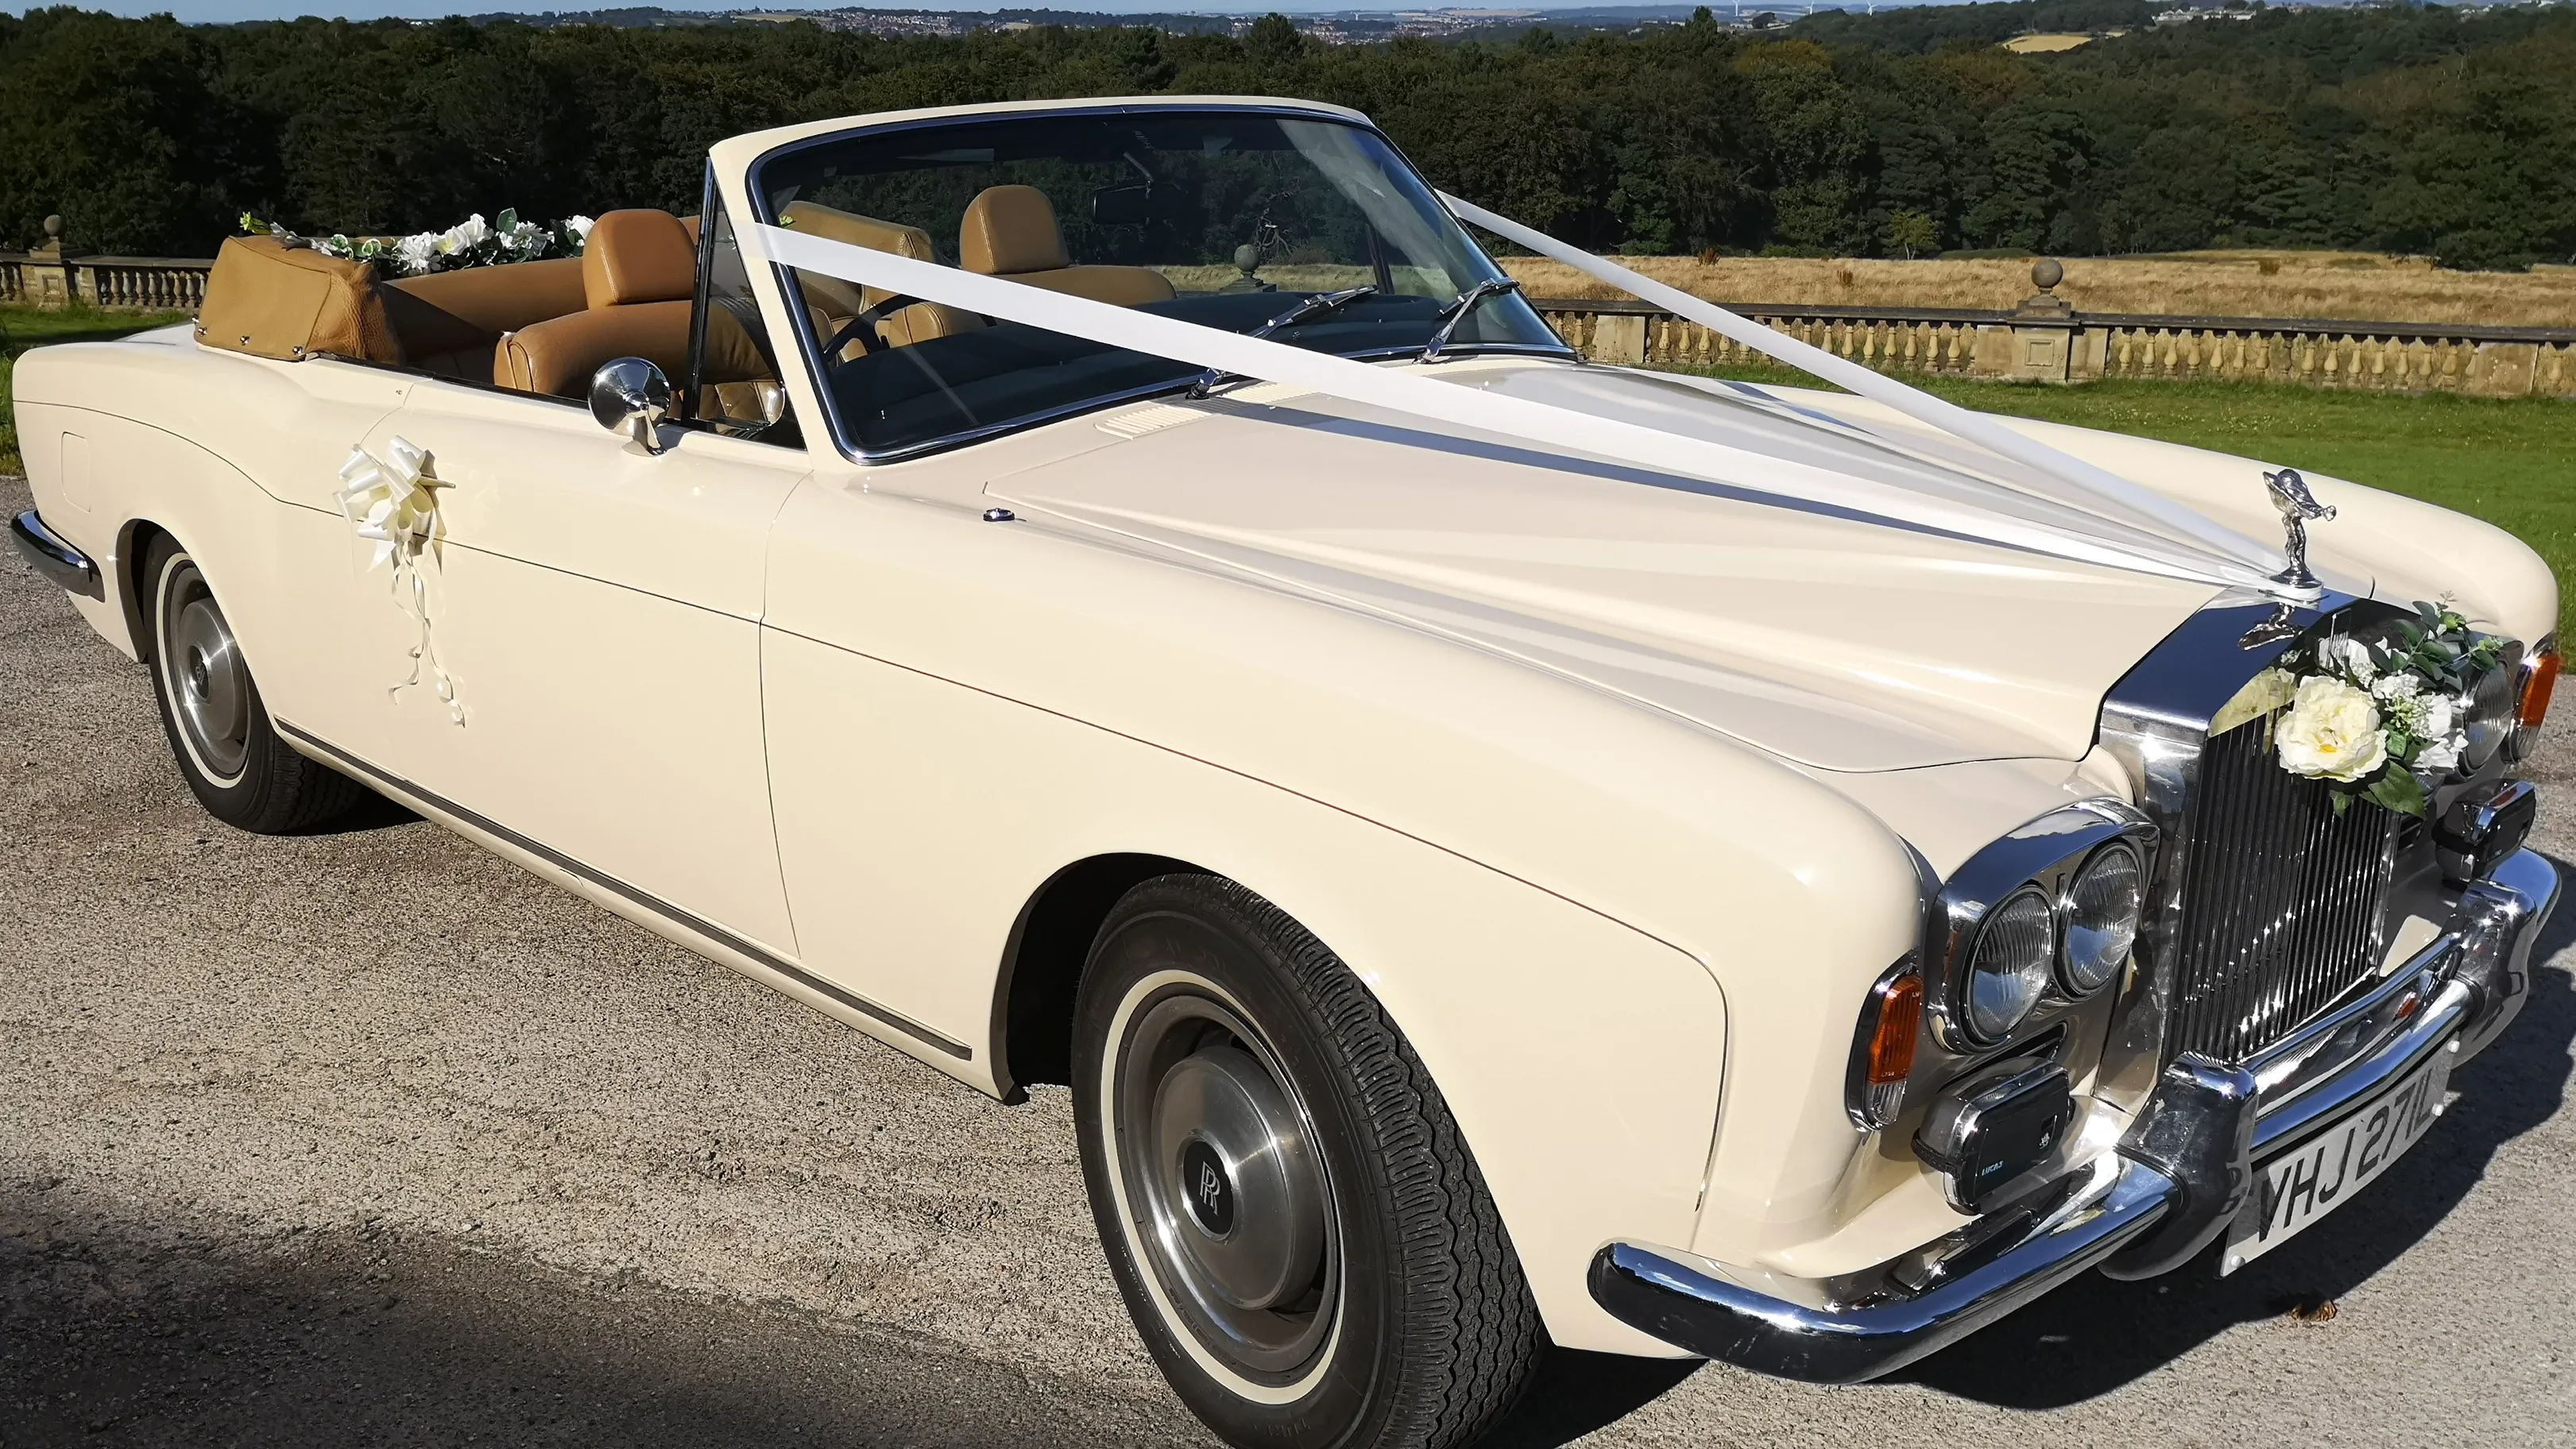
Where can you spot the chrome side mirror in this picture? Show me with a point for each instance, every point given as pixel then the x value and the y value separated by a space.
pixel 631 396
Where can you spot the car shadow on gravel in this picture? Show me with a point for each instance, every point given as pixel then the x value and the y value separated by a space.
pixel 359 1336
pixel 2094 1335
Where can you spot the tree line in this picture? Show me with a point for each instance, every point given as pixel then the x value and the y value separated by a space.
pixel 2420 130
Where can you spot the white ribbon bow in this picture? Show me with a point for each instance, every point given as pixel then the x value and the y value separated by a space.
pixel 394 501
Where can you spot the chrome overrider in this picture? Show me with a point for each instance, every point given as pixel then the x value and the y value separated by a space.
pixel 2167 1150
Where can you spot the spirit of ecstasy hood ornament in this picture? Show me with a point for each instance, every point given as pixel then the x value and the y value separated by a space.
pixel 2299 508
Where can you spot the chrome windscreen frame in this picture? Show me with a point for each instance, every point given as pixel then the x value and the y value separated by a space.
pixel 815 370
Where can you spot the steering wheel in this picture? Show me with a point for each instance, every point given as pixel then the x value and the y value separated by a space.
pixel 862 329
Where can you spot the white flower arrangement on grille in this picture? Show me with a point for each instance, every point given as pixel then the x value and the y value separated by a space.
pixel 2377 721
pixel 472 242
pixel 394 501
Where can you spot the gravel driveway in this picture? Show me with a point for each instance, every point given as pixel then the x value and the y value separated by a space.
pixel 368 1137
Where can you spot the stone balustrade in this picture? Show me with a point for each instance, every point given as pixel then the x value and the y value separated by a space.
pixel 2046 340
pixel 173 284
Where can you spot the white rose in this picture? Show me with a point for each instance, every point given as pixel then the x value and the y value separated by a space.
pixel 417 252
pixel 2441 755
pixel 2331 731
pixel 2349 656
pixel 579 226
pixel 2436 714
pixel 466 235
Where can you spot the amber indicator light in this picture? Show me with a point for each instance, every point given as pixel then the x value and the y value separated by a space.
pixel 2536 689
pixel 1900 1016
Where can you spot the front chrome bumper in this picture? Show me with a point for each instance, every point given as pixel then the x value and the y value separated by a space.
pixel 2170 1189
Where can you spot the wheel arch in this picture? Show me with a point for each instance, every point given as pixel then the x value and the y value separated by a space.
pixel 1042 962
pixel 133 541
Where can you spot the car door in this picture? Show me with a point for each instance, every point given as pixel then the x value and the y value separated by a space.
pixel 595 612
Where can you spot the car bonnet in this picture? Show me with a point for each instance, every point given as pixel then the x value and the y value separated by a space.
pixel 1831 640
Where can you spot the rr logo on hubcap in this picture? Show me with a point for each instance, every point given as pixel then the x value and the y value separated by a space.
pixel 1209 1190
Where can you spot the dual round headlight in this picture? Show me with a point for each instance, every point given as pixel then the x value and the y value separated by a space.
pixel 2081 941
pixel 2492 714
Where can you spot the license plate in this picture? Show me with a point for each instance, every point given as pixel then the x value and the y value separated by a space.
pixel 2295 1189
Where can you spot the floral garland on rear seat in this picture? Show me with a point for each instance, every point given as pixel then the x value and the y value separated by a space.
pixel 2378 721
pixel 472 242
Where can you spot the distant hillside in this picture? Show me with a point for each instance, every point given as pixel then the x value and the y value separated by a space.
pixel 2426 131
pixel 1916 29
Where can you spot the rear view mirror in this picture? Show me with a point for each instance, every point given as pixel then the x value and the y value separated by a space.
pixel 631 396
pixel 1127 205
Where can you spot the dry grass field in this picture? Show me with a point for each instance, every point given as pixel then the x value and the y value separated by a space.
pixel 2357 285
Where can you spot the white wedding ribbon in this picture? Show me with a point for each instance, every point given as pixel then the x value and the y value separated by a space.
pixel 2108 529
pixel 394 502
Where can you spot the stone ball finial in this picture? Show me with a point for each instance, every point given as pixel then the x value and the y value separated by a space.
pixel 54 228
pixel 2046 273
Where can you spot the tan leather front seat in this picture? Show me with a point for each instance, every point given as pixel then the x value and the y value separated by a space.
pixel 639 271
pixel 839 301
pixel 1010 231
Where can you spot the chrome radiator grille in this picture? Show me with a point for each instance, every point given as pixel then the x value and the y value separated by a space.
pixel 2281 900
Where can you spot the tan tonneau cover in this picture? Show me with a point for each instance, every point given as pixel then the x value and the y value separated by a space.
pixel 273 300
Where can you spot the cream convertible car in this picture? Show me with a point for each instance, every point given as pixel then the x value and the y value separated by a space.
pixel 1503 850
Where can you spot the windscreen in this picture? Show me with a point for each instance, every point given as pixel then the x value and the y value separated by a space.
pixel 1307 230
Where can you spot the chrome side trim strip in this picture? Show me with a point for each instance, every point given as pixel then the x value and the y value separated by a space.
pixel 694 923
pixel 54 557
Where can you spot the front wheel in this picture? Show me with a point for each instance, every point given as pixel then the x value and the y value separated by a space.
pixel 219 730
pixel 1297 1228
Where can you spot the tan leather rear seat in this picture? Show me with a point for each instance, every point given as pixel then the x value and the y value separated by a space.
pixel 1011 231
pixel 450 322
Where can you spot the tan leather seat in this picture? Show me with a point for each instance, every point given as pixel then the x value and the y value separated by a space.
pixel 451 322
pixel 639 271
pixel 638 256
pixel 558 357
pixel 1011 231
pixel 839 301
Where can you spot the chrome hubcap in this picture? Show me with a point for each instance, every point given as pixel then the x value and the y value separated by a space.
pixel 1222 1174
pixel 207 680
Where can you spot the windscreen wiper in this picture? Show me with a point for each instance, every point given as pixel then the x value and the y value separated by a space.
pixel 1321 304
pixel 1456 313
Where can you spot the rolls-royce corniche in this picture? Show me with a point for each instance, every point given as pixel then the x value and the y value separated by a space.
pixel 1503 850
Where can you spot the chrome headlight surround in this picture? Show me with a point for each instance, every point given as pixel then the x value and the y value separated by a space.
pixel 2099 914
pixel 2494 711
pixel 2044 858
pixel 2010 967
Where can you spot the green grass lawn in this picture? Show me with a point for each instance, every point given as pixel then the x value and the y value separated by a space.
pixel 2510 461
pixel 23 327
